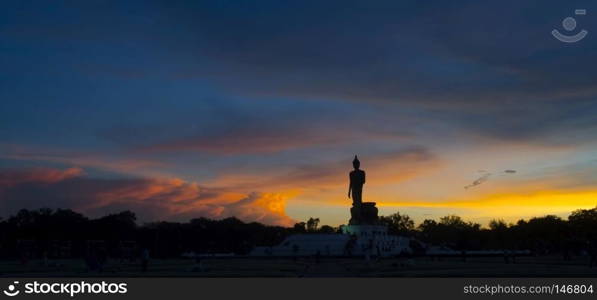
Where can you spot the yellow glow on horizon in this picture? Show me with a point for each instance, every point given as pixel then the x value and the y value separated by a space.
pixel 513 206
pixel 510 207
pixel 576 199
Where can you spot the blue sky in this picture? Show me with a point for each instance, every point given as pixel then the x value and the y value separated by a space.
pixel 256 108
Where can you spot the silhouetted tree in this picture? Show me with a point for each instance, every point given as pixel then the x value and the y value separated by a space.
pixel 398 224
pixel 300 227
pixel 584 223
pixel 327 229
pixel 38 231
pixel 499 234
pixel 451 231
pixel 312 224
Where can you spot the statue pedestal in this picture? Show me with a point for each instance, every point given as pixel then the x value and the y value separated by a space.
pixel 364 214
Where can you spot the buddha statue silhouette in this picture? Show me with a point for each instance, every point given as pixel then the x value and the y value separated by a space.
pixel 357 180
pixel 362 213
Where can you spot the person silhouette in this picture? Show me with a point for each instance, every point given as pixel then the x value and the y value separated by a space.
pixel 357 179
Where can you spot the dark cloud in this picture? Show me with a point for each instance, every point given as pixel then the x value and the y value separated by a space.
pixel 266 126
pixel 384 167
pixel 478 181
pixel 398 51
pixel 492 68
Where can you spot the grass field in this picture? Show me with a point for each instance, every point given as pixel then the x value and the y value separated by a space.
pixel 308 267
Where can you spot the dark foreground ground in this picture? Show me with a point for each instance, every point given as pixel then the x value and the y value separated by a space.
pixel 308 267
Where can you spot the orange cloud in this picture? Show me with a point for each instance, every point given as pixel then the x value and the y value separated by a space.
pixel 151 198
pixel 9 178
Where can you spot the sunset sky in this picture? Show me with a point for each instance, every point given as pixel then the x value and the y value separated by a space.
pixel 255 109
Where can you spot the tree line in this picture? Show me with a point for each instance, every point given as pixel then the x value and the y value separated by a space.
pixel 65 233
pixel 548 234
